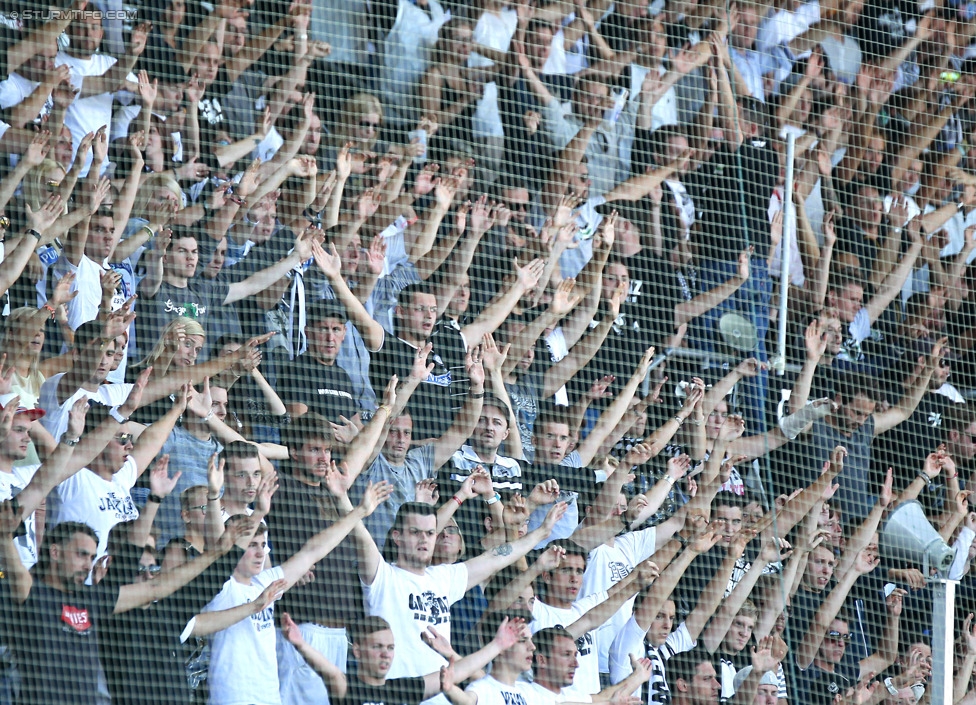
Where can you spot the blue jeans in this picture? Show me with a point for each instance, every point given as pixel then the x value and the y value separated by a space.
pixel 752 300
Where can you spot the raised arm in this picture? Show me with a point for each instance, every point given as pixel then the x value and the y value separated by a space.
pixel 487 564
pixel 526 278
pixel 139 594
pixel 151 440
pixel 466 420
pixel 887 420
pixel 259 281
pixel 323 542
pixel 613 413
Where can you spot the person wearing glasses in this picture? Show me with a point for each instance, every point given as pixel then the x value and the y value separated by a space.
pixel 98 495
pixel 193 512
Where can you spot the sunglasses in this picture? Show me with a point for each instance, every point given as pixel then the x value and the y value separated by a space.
pixel 837 636
pixel 123 439
pixel 149 569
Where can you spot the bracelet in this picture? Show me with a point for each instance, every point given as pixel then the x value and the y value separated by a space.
pixel 213 499
pixel 493 500
pixel 670 480
pixel 152 233
pixel 459 501
pixel 115 414
pixel 386 407
pixel 696 422
pixel 70 442
pixel 209 416
pixel 480 395
pixel 50 308
pixel 154 498
pixel 31 231
pixel 678 419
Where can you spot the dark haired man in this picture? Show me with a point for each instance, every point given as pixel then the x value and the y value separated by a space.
pixel 411 594
pixel 314 381
pixel 303 506
pixel 373 646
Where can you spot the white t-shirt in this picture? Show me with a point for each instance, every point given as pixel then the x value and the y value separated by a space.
pixel 11 484
pixel 86 115
pixel 411 603
pixel 857 332
pixel 15 89
pixel 607 566
pixel 630 641
pixel 493 692
pixel 495 32
pixel 101 504
pixel 587 680
pixel 243 663
pixel 563 696
pixel 56 418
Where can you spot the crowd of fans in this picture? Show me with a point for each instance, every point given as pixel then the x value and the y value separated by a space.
pixel 397 351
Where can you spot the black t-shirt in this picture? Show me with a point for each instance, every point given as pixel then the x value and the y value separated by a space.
pixel 298 513
pixel 396 691
pixel 432 405
pixel 731 193
pixel 654 294
pixel 324 389
pixel 54 638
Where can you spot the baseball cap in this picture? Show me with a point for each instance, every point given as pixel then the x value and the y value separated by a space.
pixel 324 309
pixel 769 678
pixel 32 414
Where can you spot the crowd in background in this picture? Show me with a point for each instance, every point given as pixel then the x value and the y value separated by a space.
pixel 389 351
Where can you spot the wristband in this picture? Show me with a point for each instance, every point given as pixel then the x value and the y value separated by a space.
pixel 155 498
pixel 214 499
pixel 480 395
pixel 50 308
pixel 115 414
pixel 890 686
pixel 31 231
pixel 678 419
pixel 152 233
pixel 387 408
pixel 209 416
pixel 670 480
pixel 71 442
pixel 459 501
pixel 493 500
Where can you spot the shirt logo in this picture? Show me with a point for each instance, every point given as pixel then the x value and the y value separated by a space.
pixel 75 618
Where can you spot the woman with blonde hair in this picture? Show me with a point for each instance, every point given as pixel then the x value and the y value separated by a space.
pixel 179 345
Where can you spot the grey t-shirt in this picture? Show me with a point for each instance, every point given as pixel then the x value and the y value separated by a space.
pixel 190 456
pixel 417 466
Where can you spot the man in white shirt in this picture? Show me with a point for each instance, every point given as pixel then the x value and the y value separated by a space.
pixel 14 478
pixel 561 568
pixel 556 664
pixel 504 686
pixel 96 75
pixel 411 594
pixel 98 495
pixel 243 663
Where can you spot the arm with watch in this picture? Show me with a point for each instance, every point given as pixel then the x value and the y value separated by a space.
pixel 360 450
pixel 38 224
pixel 160 487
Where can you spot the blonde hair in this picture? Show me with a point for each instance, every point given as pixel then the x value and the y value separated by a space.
pixel 148 186
pixel 354 109
pixel 34 186
pixel 190 327
pixel 16 323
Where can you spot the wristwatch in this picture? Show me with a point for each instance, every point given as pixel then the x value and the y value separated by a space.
pixel 70 442
pixel 114 413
